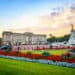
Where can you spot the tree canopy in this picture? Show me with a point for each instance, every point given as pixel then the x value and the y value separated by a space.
pixel 59 39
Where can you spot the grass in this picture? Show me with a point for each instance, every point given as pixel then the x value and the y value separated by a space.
pixel 54 52
pixel 16 67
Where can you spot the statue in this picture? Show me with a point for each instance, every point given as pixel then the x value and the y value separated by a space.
pixel 72 27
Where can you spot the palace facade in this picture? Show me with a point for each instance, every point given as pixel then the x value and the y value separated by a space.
pixel 23 38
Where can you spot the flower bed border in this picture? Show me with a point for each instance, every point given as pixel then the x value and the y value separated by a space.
pixel 50 62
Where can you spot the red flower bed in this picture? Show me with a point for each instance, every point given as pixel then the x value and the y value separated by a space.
pixel 22 55
pixel 15 53
pixel 36 56
pixel 11 53
pixel 53 57
pixel 29 56
pixel 2 52
pixel 70 60
pixel 39 56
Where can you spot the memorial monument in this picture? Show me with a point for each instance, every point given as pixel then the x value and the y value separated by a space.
pixel 72 36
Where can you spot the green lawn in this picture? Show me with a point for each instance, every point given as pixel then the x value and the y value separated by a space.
pixel 16 67
pixel 54 52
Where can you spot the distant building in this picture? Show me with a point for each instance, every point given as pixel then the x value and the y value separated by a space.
pixel 23 38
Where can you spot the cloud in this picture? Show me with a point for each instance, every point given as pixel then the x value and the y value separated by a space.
pixel 48 23
pixel 58 22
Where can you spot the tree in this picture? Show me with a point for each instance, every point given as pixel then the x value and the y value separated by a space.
pixel 59 39
pixel 52 39
pixel 45 54
pixel 0 41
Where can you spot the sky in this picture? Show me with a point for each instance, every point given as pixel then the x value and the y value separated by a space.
pixel 37 16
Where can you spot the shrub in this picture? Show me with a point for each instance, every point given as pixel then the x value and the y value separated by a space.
pixel 72 50
pixel 66 55
pixel 28 52
pixel 63 57
pixel 73 56
pixel 44 54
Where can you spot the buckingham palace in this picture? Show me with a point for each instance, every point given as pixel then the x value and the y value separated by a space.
pixel 23 38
